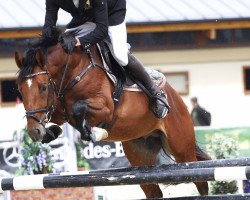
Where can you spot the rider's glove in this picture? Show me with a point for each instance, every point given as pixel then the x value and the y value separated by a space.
pixel 49 32
pixel 68 43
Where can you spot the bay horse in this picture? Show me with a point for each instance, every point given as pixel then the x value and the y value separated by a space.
pixel 133 123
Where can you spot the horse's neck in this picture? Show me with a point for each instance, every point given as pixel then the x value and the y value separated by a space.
pixel 93 82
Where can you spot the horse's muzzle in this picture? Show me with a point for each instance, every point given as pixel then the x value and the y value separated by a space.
pixel 37 133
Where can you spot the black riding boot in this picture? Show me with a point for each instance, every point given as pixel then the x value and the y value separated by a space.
pixel 158 99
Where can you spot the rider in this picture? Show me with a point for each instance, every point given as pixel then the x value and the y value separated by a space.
pixel 104 18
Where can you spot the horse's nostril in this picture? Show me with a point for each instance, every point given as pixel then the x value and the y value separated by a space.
pixel 37 131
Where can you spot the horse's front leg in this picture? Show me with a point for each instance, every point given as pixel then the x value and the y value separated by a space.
pixel 79 111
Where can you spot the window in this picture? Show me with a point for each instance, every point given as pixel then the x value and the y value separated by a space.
pixel 161 40
pixel 9 92
pixel 246 79
pixel 188 39
pixel 179 81
pixel 182 38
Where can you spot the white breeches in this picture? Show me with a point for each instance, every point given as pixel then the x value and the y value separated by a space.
pixel 118 37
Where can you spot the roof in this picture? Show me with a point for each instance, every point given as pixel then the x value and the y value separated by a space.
pixel 30 13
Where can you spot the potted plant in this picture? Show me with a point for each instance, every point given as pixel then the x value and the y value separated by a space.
pixel 35 157
pixel 223 147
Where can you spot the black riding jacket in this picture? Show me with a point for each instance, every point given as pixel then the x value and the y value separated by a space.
pixel 103 13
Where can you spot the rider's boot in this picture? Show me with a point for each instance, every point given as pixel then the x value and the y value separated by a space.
pixel 158 98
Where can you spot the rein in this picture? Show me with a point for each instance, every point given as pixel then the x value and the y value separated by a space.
pixel 61 93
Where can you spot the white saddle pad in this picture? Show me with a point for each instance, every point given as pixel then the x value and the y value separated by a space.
pixel 158 78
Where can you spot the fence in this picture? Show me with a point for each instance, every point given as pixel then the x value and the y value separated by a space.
pixel 217 170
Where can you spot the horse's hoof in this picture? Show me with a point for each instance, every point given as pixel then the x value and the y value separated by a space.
pixel 85 137
pixel 48 137
pixel 98 134
pixel 56 130
pixel 52 133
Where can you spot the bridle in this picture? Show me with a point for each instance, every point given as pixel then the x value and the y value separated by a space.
pixel 59 93
pixel 49 111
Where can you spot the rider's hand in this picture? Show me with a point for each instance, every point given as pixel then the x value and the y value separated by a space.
pixel 68 43
pixel 49 32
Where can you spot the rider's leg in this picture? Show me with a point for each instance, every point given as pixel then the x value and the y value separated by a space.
pixel 118 36
pixel 159 102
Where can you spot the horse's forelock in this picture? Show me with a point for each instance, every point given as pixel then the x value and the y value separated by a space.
pixel 29 64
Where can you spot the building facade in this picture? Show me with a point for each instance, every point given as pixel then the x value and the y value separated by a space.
pixel 204 55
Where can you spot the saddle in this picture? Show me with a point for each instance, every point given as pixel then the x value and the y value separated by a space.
pixel 117 73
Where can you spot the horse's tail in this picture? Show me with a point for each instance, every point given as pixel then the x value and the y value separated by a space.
pixel 201 155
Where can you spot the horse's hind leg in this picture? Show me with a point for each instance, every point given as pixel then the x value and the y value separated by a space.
pixel 142 152
pixel 182 146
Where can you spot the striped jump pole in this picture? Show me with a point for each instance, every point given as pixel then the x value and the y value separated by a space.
pixel 187 165
pixel 121 178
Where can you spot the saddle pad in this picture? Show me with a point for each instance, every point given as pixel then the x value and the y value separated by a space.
pixel 157 77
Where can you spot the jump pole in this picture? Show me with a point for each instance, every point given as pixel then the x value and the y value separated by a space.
pixel 45 181
pixel 187 165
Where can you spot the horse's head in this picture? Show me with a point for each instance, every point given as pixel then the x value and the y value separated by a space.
pixel 42 85
pixel 36 89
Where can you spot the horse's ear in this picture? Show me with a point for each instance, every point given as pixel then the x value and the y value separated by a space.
pixel 19 59
pixel 40 58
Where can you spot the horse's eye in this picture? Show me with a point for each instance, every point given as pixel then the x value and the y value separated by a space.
pixel 43 88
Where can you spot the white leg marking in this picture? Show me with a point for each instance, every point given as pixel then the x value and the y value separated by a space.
pixel 98 134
